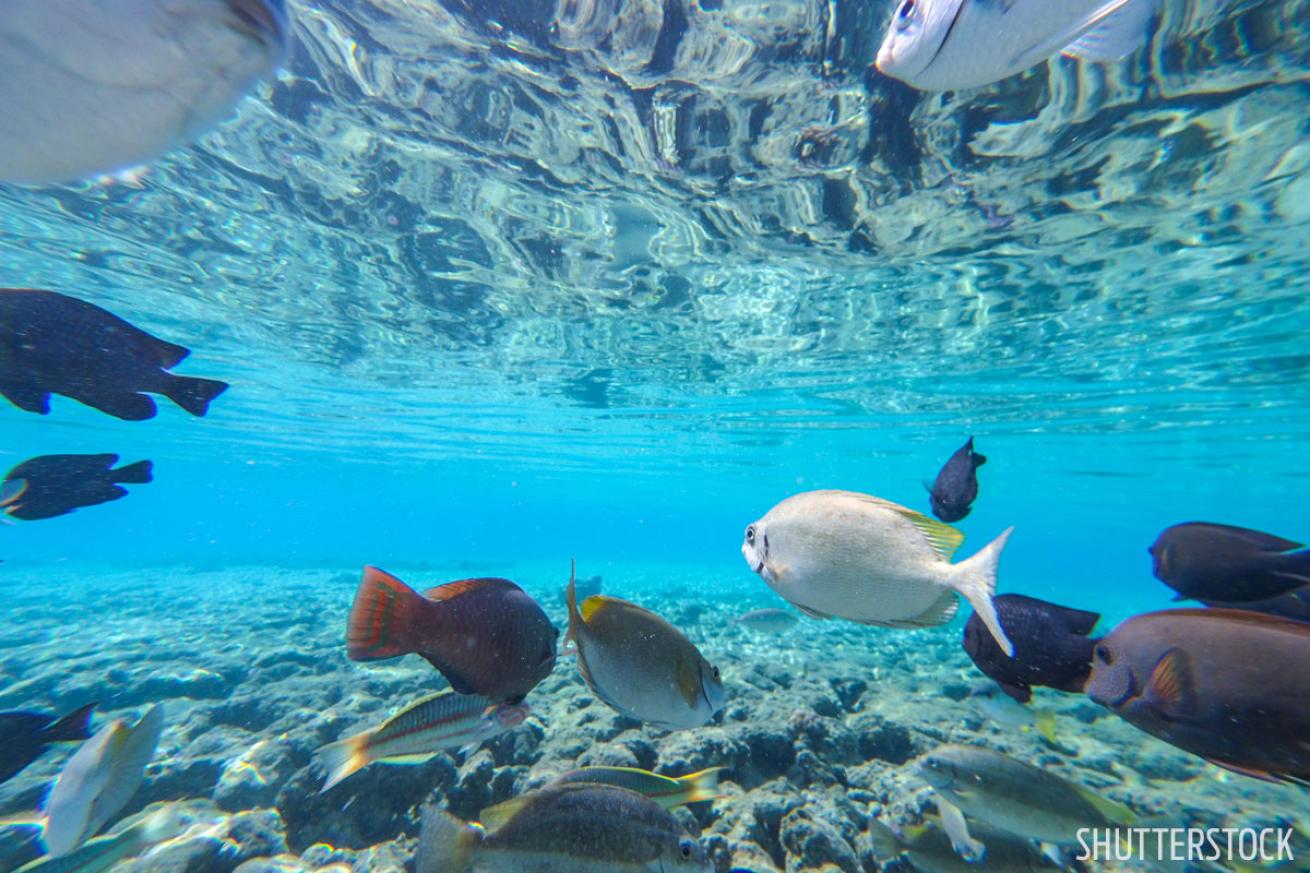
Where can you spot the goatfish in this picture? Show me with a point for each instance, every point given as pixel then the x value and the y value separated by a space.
pixel 98 781
pixel 573 828
pixel 840 554
pixel 668 791
pixel 422 731
pixel 102 853
pixel 640 665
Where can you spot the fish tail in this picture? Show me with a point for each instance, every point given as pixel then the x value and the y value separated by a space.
pixel 135 474
pixel 445 844
pixel 72 727
pixel 192 394
pixel 1045 723
pixel 343 758
pixel 575 620
pixel 382 618
pixel 703 785
pixel 886 844
pixel 162 825
pixel 975 578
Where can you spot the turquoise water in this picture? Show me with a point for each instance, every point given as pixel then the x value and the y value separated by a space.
pixel 497 286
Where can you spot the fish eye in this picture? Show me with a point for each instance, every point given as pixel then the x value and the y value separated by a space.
pixel 905 13
pixel 1103 655
pixel 714 671
pixel 750 535
pixel 685 848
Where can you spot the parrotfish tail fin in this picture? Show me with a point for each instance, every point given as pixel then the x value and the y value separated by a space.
pixel 1045 722
pixel 975 578
pixel 703 785
pixel 72 727
pixel 192 394
pixel 382 618
pixel 571 594
pixel 886 845
pixel 445 844
pixel 343 758
pixel 136 474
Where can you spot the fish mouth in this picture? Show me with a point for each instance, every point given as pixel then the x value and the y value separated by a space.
pixel 261 20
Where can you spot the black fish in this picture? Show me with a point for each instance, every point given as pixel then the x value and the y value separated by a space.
pixel 1225 564
pixel 58 484
pixel 54 344
pixel 956 487
pixel 1051 646
pixel 1294 605
pixel 25 735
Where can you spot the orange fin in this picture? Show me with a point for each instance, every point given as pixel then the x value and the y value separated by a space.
pixel 451 590
pixel 382 618
pixel 1170 687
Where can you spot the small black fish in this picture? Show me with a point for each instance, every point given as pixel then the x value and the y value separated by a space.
pixel 1294 605
pixel 58 484
pixel 1226 564
pixel 956 487
pixel 25 735
pixel 54 344
pixel 1051 646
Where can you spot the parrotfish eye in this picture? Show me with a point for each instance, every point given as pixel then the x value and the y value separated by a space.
pixel 905 13
pixel 1102 654
pixel 685 848
pixel 750 535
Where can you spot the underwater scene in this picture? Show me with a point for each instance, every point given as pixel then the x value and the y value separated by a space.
pixel 599 436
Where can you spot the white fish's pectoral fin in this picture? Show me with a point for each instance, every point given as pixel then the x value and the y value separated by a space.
pixel 942 610
pixel 1075 31
pixel 812 613
pixel 957 829
pixel 1118 36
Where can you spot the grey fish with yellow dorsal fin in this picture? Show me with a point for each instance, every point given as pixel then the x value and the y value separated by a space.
pixel 640 665
pixel 840 554
pixel 1017 797
pixel 668 791
pixel 928 847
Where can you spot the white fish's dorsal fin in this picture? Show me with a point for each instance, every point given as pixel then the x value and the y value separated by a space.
pixel 1065 36
pixel 944 538
pixel 1118 36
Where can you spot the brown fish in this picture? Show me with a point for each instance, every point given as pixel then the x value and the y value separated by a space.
pixel 486 636
pixel 1226 684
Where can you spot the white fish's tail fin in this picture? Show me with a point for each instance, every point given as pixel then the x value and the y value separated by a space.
pixel 975 578
pixel 445 843
pixel 343 758
pixel 163 824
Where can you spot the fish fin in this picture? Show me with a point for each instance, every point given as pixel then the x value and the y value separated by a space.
pixel 192 394
pixel 1112 811
pixel 812 613
pixel 1170 687
pixel 1178 598
pixel 571 597
pixel 1262 775
pixel 28 398
pixel 703 784
pixel 451 590
pixel 943 538
pixel 445 844
pixel 689 685
pixel 134 474
pixel 128 407
pixel 11 490
pixel 975 579
pixel 1079 621
pixel 596 602
pixel 168 355
pixel 382 617
pixel 72 727
pixel 942 610
pixel 1118 35
pixel 1021 693
pixel 1038 53
pixel 458 683
pixel 343 758
pixel 957 830
pixel 494 817
pixel 886 843
pixel 1045 723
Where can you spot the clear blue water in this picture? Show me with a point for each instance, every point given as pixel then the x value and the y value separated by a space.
pixel 495 295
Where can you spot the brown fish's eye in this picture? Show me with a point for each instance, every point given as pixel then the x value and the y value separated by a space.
pixel 750 535
pixel 1103 655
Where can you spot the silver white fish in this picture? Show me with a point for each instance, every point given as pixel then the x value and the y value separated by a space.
pixel 767 621
pixel 103 853
pixel 91 87
pixel 944 45
pixel 839 554
pixel 98 781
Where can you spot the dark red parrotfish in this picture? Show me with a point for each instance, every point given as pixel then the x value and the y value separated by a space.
pixel 1227 564
pixel 54 344
pixel 1051 645
pixel 956 488
pixel 1229 685
pixel 486 636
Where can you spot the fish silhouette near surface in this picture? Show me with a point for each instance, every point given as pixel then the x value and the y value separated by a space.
pixel 24 736
pixel 486 636
pixel 1227 564
pixel 1228 685
pixel 54 344
pixel 59 484
pixel 1051 646
pixel 956 487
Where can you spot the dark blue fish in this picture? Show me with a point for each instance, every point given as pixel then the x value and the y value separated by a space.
pixel 956 487
pixel 54 344
pixel 1225 564
pixel 24 736
pixel 1051 646
pixel 58 484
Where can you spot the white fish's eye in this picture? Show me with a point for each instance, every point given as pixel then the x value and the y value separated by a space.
pixel 685 848
pixel 905 14
pixel 750 535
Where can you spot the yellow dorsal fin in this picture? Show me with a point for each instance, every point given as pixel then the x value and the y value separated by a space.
pixel 493 817
pixel 594 604
pixel 944 538
pixel 1113 812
